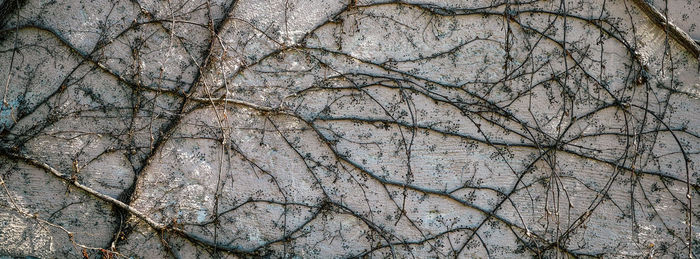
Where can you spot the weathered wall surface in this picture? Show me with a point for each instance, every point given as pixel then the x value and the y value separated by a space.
pixel 327 128
pixel 683 13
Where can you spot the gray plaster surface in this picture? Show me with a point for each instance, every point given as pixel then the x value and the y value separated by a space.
pixel 332 129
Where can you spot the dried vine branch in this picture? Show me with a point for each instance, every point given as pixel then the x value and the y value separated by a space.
pixel 351 129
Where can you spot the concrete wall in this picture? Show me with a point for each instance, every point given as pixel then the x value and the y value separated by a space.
pixel 324 128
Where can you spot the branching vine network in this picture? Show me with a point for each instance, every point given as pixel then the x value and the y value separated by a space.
pixel 353 129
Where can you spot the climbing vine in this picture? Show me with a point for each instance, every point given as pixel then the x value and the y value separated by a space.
pixel 347 129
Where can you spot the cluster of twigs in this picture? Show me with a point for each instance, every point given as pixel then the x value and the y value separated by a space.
pixel 534 121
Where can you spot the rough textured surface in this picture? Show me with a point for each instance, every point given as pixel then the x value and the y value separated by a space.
pixel 324 128
pixel 682 13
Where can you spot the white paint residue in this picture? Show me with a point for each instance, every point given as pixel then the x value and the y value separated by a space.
pixel 201 215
